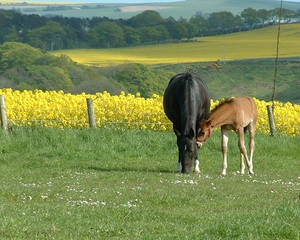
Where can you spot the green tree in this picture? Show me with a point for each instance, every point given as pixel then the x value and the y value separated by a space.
pixel 14 54
pixel 286 14
pixel 139 78
pixel 131 35
pixel 146 18
pixel 6 20
pixel 176 29
pixel 48 78
pixel 153 34
pixel 222 21
pixel 250 16
pixel 49 37
pixel 263 15
pixel 12 35
pixel 107 34
pixel 200 25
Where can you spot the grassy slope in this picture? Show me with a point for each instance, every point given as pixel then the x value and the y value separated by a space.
pixel 186 8
pixel 259 43
pixel 112 184
pixel 235 78
pixel 253 78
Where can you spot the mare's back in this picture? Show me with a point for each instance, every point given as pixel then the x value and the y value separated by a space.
pixel 182 87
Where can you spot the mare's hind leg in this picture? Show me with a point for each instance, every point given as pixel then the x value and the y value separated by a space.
pixel 224 149
pixel 243 149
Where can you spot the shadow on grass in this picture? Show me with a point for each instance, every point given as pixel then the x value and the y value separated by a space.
pixel 128 169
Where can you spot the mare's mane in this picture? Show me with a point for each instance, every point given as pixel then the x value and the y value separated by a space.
pixel 224 101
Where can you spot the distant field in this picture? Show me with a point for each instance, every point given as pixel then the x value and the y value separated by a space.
pixel 255 44
pixel 184 9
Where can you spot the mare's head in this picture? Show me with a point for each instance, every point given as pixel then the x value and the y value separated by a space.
pixel 205 130
pixel 188 150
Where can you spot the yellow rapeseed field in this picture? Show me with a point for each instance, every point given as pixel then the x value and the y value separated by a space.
pixel 254 44
pixel 64 110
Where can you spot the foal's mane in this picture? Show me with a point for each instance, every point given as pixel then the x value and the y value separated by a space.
pixel 223 101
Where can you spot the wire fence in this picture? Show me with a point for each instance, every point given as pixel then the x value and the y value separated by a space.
pixel 126 113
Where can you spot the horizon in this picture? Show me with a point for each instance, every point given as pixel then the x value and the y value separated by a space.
pixel 105 1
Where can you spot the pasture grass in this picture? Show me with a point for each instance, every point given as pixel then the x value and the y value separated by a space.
pixel 119 184
pixel 256 44
pixel 247 78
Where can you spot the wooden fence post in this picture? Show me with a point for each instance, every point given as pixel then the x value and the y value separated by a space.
pixel 91 112
pixel 4 123
pixel 271 120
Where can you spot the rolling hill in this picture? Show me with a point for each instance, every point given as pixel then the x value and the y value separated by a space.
pixel 233 64
pixel 254 44
pixel 184 9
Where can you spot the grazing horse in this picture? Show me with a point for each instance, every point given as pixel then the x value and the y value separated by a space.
pixel 238 114
pixel 186 103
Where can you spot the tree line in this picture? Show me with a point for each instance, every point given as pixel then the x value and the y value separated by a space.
pixel 23 67
pixel 147 27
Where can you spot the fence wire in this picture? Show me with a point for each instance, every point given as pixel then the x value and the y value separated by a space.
pixel 124 112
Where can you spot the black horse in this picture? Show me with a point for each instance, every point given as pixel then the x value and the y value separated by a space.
pixel 187 104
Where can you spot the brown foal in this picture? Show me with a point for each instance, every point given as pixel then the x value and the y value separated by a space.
pixel 238 114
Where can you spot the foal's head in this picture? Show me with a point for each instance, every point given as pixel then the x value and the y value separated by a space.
pixel 204 132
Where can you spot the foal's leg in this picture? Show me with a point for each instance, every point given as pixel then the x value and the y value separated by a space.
pixel 224 149
pixel 252 127
pixel 243 149
pixel 242 164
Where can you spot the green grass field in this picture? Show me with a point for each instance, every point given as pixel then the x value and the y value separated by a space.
pixel 117 184
pixel 250 77
pixel 254 44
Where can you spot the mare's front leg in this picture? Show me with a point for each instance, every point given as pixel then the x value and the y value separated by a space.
pixel 224 149
pixel 197 168
pixel 179 166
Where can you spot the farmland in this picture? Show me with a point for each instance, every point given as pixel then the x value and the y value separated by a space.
pixel 186 9
pixel 62 180
pixel 57 109
pixel 255 44
pixel 112 184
